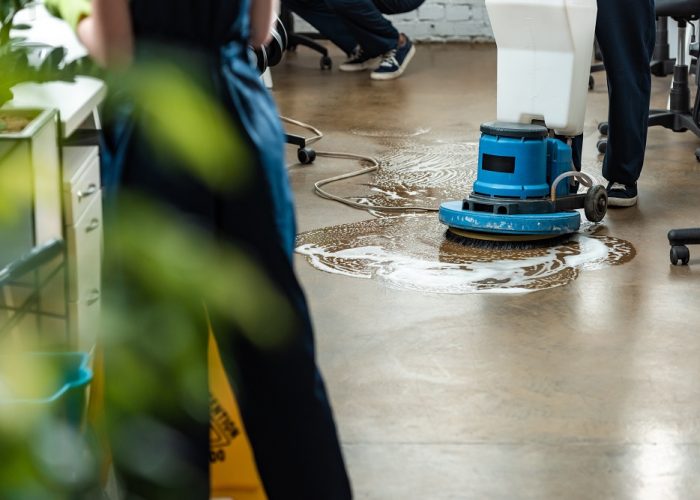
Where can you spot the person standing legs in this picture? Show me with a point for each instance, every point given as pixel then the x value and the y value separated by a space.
pixel 626 33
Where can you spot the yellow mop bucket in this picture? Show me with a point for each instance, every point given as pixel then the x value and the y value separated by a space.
pixel 233 473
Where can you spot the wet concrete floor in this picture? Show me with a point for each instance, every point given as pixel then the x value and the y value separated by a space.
pixel 589 389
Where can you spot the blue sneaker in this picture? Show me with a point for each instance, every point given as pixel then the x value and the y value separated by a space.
pixel 620 195
pixel 395 61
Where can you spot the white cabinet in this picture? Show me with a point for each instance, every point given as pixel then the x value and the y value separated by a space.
pixel 81 180
pixel 77 105
pixel 82 198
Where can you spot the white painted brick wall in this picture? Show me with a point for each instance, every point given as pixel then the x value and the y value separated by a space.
pixel 440 21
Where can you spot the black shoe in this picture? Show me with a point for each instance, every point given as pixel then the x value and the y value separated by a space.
pixel 620 195
pixel 358 61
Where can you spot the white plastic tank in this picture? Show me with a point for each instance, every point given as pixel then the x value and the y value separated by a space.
pixel 544 60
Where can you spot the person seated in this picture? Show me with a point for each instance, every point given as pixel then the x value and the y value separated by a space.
pixel 360 29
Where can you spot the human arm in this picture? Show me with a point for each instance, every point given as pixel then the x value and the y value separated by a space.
pixel 262 18
pixel 107 33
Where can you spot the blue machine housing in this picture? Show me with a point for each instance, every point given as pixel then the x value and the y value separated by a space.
pixel 521 167
pixel 510 167
pixel 518 163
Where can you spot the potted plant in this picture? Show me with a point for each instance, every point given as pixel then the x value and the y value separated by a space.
pixel 17 65
pixel 29 152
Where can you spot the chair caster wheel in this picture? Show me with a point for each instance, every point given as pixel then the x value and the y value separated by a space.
pixel 603 128
pixel 602 146
pixel 326 62
pixel 595 204
pixel 697 154
pixel 306 156
pixel 591 82
pixel 680 254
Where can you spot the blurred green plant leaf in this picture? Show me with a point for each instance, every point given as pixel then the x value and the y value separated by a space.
pixel 14 55
pixel 188 266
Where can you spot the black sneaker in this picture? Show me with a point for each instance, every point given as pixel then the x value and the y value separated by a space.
pixel 358 61
pixel 620 195
pixel 394 62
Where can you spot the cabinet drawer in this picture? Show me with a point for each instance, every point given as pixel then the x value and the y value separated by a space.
pixel 84 321
pixel 85 252
pixel 81 181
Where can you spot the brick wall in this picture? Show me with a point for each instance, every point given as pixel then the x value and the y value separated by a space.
pixel 441 20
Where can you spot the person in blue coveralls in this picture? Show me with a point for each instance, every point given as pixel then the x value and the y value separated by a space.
pixel 280 391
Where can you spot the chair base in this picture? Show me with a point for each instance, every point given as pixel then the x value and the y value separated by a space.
pixel 677 121
pixel 678 239
pixel 305 154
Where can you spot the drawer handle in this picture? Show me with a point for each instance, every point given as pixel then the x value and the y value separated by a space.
pixel 92 189
pixel 93 296
pixel 94 224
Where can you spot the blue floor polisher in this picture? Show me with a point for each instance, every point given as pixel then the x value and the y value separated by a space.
pixel 524 189
pixel 527 187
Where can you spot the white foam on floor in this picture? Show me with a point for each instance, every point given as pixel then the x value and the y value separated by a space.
pixel 500 276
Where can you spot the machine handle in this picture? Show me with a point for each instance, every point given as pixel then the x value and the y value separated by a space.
pixel 94 224
pixel 92 189
pixel 93 296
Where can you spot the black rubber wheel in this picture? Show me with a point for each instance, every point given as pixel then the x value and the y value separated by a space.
pixel 680 254
pixel 591 82
pixel 602 146
pixel 326 62
pixel 306 156
pixel 603 128
pixel 697 154
pixel 595 204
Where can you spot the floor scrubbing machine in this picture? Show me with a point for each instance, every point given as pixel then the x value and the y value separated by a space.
pixel 527 186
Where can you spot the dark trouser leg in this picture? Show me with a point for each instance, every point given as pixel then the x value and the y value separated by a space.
pixel 325 20
pixel 280 391
pixel 156 385
pixel 627 44
pixel 397 6
pixel 576 151
pixel 374 32
pixel 287 414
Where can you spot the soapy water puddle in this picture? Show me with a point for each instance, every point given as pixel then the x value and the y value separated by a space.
pixel 425 175
pixel 412 253
pixel 388 133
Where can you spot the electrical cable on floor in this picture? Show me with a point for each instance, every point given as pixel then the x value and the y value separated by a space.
pixel 306 126
pixel 323 193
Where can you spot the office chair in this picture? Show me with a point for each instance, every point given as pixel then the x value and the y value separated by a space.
pixel 678 239
pixel 290 41
pixel 305 40
pixel 661 62
pixel 680 117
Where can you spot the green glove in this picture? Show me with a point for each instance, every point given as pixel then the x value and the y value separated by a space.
pixel 71 11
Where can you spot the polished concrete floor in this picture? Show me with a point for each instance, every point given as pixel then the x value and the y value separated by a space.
pixel 591 390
